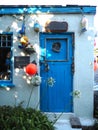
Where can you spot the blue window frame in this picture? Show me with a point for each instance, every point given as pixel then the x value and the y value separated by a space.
pixel 6 71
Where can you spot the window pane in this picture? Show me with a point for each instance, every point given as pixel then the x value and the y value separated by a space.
pixel 9 40
pixel 9 43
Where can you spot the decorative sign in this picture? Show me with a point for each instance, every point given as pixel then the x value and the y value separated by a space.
pixel 21 61
pixel 55 26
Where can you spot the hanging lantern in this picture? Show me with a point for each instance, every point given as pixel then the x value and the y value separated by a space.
pixel 31 69
pixel 36 27
pixel 84 24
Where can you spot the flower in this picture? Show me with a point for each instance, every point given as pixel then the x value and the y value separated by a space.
pixel 76 93
pixel 51 81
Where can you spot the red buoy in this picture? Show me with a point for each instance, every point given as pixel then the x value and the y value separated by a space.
pixel 31 69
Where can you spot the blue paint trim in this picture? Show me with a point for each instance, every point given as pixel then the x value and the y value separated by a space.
pixel 7 33
pixel 47 9
pixel 10 85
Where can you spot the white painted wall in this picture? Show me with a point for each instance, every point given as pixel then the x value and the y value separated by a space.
pixel 83 54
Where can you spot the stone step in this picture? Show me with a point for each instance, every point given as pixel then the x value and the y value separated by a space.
pixel 63 121
pixel 75 122
pixel 64 125
pixel 86 124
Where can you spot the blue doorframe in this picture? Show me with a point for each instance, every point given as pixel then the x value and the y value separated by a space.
pixel 56 72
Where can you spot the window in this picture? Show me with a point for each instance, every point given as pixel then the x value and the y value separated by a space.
pixel 5 59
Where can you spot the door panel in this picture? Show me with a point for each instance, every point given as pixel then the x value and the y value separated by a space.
pixel 56 64
pixel 53 55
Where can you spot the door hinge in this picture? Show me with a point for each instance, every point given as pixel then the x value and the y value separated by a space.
pixel 73 41
pixel 73 68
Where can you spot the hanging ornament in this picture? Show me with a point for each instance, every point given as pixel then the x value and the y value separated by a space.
pixel 22 31
pixel 20 46
pixel 31 69
pixel 76 94
pixel 8 29
pixel 84 24
pixel 29 49
pixel 24 40
pixel 51 81
pixel 36 26
pixel 94 43
pixel 26 45
pixel 35 80
pixel 95 65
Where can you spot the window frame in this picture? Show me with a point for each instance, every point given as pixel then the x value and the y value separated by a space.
pixel 8 83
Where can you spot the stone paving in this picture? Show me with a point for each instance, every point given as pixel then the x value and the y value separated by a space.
pixel 64 124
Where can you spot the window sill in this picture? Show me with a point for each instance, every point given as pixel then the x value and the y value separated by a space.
pixel 7 85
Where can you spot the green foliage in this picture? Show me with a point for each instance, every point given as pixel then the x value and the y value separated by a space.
pixel 19 118
pixel 96 124
pixel 96 119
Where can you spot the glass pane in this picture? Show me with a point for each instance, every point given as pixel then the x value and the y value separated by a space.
pixel 9 38
pixel 9 43
pixel 5 63
pixel 4 43
pixel 3 40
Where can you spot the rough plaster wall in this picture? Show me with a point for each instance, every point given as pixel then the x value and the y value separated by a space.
pixel 83 56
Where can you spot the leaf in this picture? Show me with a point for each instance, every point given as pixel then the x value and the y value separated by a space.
pixel 18 118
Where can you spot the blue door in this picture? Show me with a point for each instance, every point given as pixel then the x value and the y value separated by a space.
pixel 56 62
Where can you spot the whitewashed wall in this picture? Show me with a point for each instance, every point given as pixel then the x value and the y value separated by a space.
pixel 83 56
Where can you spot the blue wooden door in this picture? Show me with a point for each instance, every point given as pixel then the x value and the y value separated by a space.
pixel 56 60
